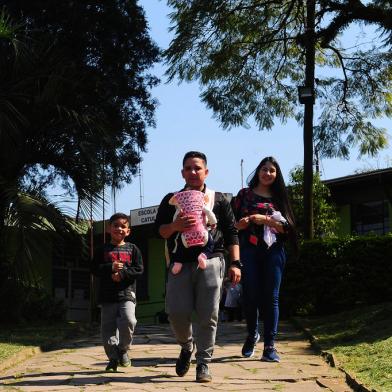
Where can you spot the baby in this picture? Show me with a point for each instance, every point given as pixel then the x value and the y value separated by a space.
pixel 194 203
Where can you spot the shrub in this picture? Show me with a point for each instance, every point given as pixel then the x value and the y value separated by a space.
pixel 20 303
pixel 336 274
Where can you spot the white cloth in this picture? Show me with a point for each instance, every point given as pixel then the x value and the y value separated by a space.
pixel 269 232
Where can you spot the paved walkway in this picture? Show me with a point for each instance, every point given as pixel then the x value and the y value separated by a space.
pixel 79 366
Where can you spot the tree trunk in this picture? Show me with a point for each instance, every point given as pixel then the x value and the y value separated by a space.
pixel 308 121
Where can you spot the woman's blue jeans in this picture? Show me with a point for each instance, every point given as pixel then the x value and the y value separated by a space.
pixel 261 277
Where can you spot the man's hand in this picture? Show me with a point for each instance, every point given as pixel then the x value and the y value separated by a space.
pixel 234 274
pixel 183 222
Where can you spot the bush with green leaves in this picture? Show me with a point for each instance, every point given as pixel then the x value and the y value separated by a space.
pixel 21 303
pixel 332 275
pixel 324 211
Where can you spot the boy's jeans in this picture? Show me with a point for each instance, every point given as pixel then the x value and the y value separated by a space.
pixel 118 324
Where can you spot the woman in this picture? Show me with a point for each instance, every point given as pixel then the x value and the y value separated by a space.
pixel 263 232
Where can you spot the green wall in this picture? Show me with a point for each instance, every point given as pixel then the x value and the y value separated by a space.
pixel 390 216
pixel 344 213
pixel 146 310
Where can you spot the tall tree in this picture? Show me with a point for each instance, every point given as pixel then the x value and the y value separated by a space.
pixel 74 106
pixel 99 54
pixel 325 212
pixel 249 57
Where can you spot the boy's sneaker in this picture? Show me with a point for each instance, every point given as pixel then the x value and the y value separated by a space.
pixel 248 349
pixel 124 359
pixel 202 373
pixel 112 365
pixel 183 362
pixel 270 355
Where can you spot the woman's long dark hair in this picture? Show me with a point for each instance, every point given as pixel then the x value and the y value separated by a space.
pixel 279 194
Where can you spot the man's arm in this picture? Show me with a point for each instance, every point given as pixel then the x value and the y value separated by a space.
pixel 234 271
pixel 164 226
pixel 181 223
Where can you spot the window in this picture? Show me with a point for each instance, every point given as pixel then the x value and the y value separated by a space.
pixel 371 217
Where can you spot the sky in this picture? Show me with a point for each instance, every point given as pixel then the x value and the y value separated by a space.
pixel 183 123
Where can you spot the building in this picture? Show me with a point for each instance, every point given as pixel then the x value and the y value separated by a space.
pixel 364 202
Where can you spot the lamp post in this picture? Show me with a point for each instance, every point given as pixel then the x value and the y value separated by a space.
pixel 307 98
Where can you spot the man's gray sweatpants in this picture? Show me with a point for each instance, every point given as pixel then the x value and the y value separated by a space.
pixel 199 291
pixel 118 324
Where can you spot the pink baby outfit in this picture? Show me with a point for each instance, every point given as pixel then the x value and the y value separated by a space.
pixel 194 203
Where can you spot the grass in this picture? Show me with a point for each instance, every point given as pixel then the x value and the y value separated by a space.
pixel 361 341
pixel 16 338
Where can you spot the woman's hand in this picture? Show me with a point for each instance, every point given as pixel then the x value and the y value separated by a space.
pixel 259 219
pixel 243 223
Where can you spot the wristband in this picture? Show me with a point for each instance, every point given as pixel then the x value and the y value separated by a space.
pixel 236 263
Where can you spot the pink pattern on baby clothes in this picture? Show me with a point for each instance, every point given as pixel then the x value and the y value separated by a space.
pixel 192 203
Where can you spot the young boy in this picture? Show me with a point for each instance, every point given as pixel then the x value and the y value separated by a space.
pixel 117 264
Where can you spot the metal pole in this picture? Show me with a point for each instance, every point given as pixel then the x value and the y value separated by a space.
pixel 92 280
pixel 103 214
pixel 140 180
pixel 242 173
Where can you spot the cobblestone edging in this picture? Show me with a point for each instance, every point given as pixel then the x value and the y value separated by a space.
pixel 331 359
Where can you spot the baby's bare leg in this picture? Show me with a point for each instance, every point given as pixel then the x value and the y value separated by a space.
pixel 176 268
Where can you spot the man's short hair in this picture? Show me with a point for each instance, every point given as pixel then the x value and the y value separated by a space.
pixel 194 154
pixel 119 215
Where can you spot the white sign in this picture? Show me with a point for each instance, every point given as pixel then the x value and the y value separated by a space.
pixel 143 216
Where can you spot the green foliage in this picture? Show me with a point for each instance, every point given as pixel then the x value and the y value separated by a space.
pixel 74 107
pixel 325 216
pixel 360 340
pixel 331 275
pixel 249 58
pixel 21 303
pixel 77 103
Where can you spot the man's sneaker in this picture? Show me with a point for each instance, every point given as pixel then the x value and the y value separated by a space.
pixel 183 362
pixel 270 355
pixel 112 365
pixel 124 359
pixel 202 373
pixel 248 349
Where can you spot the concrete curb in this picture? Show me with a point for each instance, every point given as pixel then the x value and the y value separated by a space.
pixel 331 359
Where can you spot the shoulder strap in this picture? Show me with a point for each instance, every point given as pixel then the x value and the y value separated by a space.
pixel 211 198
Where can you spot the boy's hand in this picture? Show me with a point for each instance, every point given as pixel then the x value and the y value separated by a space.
pixel 116 277
pixel 117 266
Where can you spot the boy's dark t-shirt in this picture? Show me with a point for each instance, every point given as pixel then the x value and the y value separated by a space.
pixel 125 290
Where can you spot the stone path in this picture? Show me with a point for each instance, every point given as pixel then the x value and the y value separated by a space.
pixel 79 366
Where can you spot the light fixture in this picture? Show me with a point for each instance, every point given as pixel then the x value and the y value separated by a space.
pixel 305 94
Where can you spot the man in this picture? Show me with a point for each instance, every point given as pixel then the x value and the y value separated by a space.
pixel 194 289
